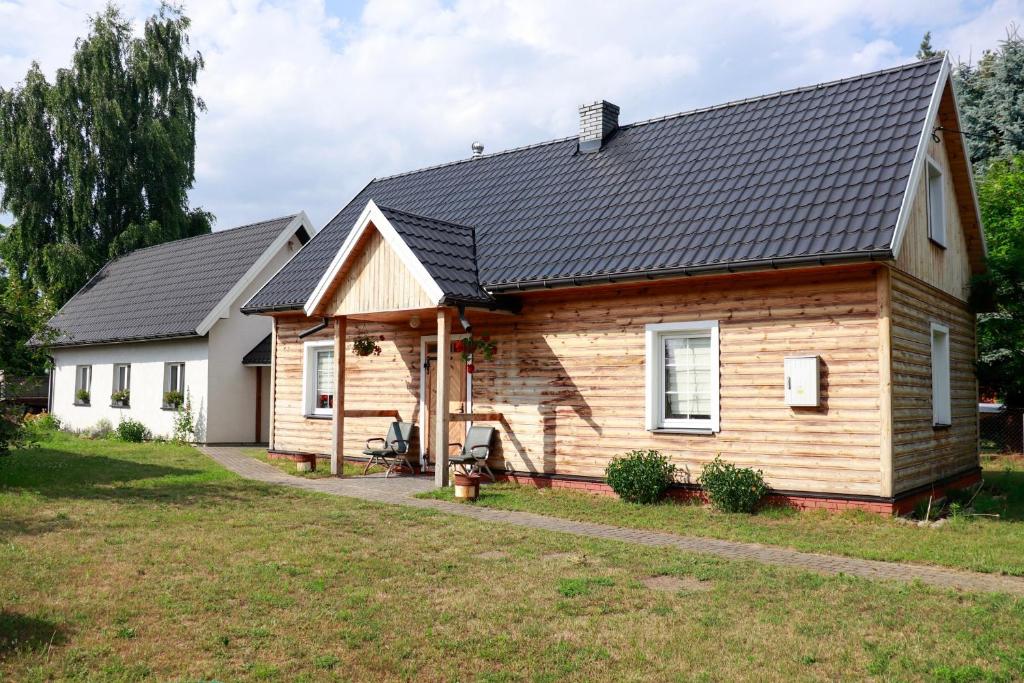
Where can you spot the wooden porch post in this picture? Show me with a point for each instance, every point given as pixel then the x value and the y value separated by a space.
pixel 259 401
pixel 440 445
pixel 338 437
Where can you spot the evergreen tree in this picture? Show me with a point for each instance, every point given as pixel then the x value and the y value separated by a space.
pixel 925 50
pixel 991 96
pixel 100 161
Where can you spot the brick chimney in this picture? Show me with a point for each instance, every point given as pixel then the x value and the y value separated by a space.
pixel 598 120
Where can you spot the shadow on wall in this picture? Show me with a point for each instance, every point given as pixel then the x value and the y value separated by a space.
pixel 526 372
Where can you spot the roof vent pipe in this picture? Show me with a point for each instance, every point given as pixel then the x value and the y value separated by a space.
pixel 478 149
pixel 598 120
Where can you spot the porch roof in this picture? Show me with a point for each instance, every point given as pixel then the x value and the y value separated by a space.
pixel 259 354
pixel 447 251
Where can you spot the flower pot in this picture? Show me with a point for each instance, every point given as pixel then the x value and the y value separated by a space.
pixel 467 486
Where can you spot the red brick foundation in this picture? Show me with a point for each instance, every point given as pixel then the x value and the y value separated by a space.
pixel 685 494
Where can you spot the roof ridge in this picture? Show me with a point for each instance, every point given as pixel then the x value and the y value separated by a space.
pixel 212 233
pixel 664 117
pixel 790 91
pixel 424 217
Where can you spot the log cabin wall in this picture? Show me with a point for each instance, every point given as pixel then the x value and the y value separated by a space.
pixel 389 381
pixel 568 378
pixel 923 453
pixel 932 284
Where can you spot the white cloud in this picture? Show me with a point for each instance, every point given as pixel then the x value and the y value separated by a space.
pixel 306 106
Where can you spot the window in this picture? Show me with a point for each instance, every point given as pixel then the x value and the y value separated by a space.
pixel 682 376
pixel 942 410
pixel 122 384
pixel 936 205
pixel 174 381
pixel 83 384
pixel 318 378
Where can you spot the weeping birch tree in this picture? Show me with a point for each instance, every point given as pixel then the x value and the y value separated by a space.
pixel 100 161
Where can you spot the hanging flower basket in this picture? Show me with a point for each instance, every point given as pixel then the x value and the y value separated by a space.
pixel 365 345
pixel 474 347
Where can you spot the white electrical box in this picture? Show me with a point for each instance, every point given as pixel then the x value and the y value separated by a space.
pixel 802 381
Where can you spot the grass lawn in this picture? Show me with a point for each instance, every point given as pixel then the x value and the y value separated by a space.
pixel 127 562
pixel 323 468
pixel 982 544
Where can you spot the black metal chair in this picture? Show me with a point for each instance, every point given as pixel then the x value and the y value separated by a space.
pixel 394 449
pixel 473 454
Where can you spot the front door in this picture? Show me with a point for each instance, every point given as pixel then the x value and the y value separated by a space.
pixel 458 396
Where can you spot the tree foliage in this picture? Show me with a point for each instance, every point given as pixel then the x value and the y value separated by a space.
pixel 1001 331
pixel 991 97
pixel 100 161
pixel 925 49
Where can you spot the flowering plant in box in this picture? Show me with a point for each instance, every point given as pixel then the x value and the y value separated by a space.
pixel 365 345
pixel 472 346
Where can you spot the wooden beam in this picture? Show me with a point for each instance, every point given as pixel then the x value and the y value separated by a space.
pixel 883 291
pixel 338 433
pixel 440 445
pixel 373 413
pixel 476 417
pixel 273 381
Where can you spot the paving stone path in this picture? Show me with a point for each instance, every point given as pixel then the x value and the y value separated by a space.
pixel 400 491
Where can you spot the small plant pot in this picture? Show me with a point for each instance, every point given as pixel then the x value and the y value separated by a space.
pixel 467 486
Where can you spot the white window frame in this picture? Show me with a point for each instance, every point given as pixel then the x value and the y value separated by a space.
pixel 935 194
pixel 309 352
pixel 655 334
pixel 942 403
pixel 167 378
pixel 80 384
pixel 116 386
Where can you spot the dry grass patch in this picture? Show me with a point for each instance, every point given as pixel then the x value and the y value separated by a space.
pixel 993 543
pixel 148 562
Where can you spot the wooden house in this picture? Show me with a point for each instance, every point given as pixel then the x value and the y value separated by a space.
pixel 782 281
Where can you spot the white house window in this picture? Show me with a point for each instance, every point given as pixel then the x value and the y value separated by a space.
pixel 936 205
pixel 942 409
pixel 174 383
pixel 682 376
pixel 318 377
pixel 83 385
pixel 122 384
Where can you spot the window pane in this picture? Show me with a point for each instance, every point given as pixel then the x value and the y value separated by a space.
pixel 325 379
pixel 688 377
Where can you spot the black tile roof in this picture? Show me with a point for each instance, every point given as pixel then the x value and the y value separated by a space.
pixel 805 173
pixel 259 354
pixel 445 249
pixel 162 291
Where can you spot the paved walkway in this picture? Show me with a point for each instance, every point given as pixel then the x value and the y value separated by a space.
pixel 400 491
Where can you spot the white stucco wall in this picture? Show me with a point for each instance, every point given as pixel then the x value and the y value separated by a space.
pixel 233 385
pixel 147 383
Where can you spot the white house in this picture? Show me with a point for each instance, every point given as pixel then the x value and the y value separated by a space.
pixel 162 323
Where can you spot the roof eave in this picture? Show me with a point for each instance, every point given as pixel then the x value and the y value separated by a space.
pixel 705 269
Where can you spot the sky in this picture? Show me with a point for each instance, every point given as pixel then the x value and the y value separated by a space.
pixel 308 100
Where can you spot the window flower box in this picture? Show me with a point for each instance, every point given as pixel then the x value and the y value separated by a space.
pixel 119 399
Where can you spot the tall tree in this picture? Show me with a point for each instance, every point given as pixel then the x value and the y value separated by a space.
pixel 991 96
pixel 1001 330
pixel 101 161
pixel 925 49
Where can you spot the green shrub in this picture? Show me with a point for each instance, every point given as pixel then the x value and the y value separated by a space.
pixel 37 427
pixel 184 422
pixel 640 476
pixel 132 430
pixel 12 431
pixel 101 430
pixel 731 488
